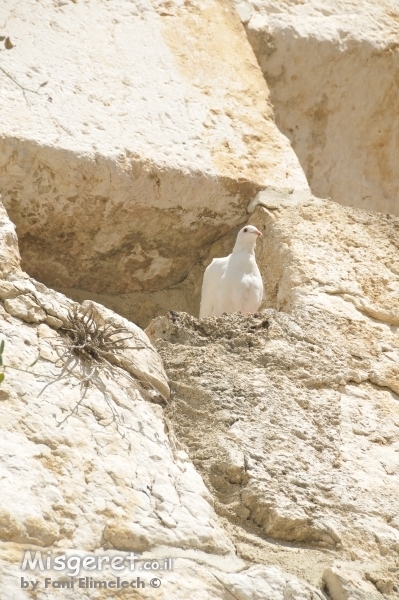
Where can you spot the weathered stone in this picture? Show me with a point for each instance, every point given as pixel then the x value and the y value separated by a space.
pixel 384 582
pixel 331 69
pixel 9 252
pixel 275 458
pixel 348 584
pixel 310 398
pixel 25 308
pixel 144 147
pixel 267 583
pixel 8 290
pixel 139 357
pixel 88 466
pixel 189 580
pixel 54 322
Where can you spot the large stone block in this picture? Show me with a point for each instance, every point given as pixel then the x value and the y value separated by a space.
pixel 333 72
pixel 151 136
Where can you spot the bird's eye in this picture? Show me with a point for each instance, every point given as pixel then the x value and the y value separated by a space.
pixel 245 230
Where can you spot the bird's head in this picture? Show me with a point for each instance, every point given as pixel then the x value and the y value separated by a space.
pixel 246 238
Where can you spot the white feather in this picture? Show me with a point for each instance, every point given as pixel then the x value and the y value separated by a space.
pixel 233 283
pixel 212 276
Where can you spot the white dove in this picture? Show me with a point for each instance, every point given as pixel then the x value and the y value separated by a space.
pixel 233 283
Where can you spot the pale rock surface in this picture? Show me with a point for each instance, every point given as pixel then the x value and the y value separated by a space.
pixel 292 417
pixel 331 68
pixel 94 469
pixel 345 584
pixel 190 580
pixel 149 140
pixel 135 162
pixel 139 358
pixel 25 308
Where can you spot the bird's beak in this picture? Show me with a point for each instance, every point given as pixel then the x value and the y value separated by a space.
pixel 257 232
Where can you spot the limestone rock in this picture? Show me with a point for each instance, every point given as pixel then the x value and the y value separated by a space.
pixel 267 583
pixel 189 580
pixel 139 357
pixel 329 69
pixel 8 290
pixel 318 253
pixel 296 412
pixel 9 252
pixel 286 399
pixel 63 443
pixel 25 308
pixel 348 584
pixel 90 467
pixel 259 453
pixel 147 143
